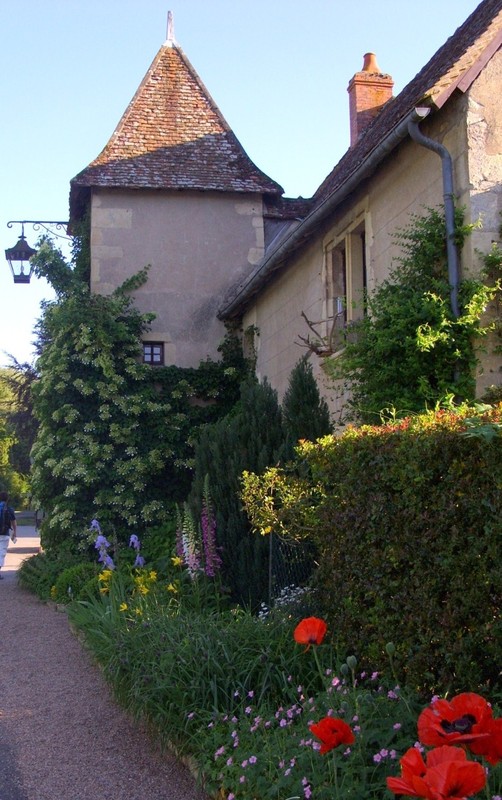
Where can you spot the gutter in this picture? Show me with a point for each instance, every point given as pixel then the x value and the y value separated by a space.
pixel 273 260
pixel 449 202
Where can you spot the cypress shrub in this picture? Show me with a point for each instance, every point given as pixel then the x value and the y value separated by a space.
pixel 305 413
pixel 249 438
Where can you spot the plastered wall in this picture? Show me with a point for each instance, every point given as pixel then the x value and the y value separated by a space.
pixel 405 184
pixel 197 244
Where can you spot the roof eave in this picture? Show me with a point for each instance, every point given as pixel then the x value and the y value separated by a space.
pixel 296 238
pixel 466 79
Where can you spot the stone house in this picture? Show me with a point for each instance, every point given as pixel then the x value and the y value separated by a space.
pixel 174 188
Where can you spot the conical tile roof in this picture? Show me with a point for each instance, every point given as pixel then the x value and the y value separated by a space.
pixel 173 136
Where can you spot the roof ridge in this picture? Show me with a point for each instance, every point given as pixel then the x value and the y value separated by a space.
pixel 444 69
pixel 172 135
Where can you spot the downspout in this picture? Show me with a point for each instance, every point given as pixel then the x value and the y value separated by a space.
pixel 449 201
pixel 254 281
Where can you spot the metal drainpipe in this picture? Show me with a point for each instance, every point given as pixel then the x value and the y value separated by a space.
pixel 449 201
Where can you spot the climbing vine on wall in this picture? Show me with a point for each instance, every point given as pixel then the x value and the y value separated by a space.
pixel 114 437
pixel 409 352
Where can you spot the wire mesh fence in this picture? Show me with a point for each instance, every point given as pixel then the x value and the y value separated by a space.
pixel 291 563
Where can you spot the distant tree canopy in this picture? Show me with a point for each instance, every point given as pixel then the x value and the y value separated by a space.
pixel 14 459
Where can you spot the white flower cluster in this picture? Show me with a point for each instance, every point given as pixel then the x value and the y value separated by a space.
pixel 288 597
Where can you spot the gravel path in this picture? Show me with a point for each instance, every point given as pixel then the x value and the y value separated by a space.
pixel 62 737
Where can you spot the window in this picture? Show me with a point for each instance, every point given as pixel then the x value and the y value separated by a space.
pixel 345 282
pixel 153 353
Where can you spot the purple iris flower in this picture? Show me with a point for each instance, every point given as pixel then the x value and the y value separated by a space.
pixel 101 542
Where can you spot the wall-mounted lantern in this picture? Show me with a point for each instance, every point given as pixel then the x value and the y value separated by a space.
pixel 19 255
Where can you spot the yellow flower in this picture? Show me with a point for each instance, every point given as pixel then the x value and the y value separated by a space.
pixel 143 589
pixel 138 611
pixel 176 561
pixel 53 592
pixel 104 589
pixel 172 588
pixel 153 576
pixel 105 575
pixel 123 607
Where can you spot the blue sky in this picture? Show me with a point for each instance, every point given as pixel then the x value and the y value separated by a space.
pixel 277 69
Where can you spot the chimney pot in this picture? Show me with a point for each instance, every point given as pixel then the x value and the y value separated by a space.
pixel 368 90
pixel 370 63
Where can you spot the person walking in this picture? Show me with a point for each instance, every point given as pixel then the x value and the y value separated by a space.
pixel 8 527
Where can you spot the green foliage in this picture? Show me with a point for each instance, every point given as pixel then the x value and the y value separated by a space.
pixel 114 434
pixel 40 572
pixel 249 438
pixel 158 542
pixel 73 583
pixel 188 661
pixel 305 414
pixel 257 433
pixel 11 478
pixel 19 379
pixel 237 694
pixel 104 433
pixel 410 352
pixel 407 520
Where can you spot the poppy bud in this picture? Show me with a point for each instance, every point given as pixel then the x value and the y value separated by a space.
pixel 390 648
pixel 351 663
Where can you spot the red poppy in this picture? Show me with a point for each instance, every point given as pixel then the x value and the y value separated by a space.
pixel 450 776
pixel 413 769
pixel 445 775
pixel 310 631
pixel 462 720
pixel 491 747
pixel 331 732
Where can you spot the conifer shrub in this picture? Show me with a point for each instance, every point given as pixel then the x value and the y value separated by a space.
pixel 257 433
pixel 305 413
pixel 407 518
pixel 249 438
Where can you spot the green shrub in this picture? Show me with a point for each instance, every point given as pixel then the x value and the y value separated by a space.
pixel 158 543
pixel 39 573
pixel 74 582
pixel 239 441
pixel 408 521
pixel 305 413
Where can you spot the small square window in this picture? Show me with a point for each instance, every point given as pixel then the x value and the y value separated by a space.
pixel 153 353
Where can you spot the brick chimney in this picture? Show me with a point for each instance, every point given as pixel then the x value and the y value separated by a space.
pixel 368 91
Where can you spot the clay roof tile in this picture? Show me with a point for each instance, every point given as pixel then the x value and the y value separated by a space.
pixel 173 136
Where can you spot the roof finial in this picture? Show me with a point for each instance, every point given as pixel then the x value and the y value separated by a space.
pixel 170 28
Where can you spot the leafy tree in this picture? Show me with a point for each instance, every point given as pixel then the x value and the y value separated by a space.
pixel 20 379
pixel 11 480
pixel 409 352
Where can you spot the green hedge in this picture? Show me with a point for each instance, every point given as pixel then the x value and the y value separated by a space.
pixel 408 521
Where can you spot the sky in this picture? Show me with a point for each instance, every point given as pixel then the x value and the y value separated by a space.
pixel 277 69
